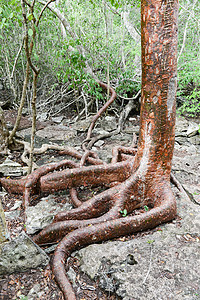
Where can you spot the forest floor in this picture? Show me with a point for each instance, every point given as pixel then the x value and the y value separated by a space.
pixel 28 285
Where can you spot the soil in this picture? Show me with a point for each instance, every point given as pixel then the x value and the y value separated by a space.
pixel 18 286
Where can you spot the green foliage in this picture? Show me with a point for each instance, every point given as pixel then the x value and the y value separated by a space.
pixel 189 60
pixel 22 297
pixel 146 208
pixel 191 104
pixel 150 241
pixel 120 52
pixel 123 213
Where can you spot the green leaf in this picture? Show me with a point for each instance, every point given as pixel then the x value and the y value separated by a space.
pixel 30 32
pixel 123 212
pixel 150 241
pixel 146 208
pixel 11 15
pixel 30 17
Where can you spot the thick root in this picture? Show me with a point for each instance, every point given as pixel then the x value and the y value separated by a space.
pixel 164 211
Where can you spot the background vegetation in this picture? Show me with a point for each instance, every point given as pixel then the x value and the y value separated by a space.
pixel 98 36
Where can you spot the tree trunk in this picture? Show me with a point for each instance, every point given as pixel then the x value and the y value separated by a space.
pixel 139 178
pixel 3 228
pixel 3 133
pixel 158 96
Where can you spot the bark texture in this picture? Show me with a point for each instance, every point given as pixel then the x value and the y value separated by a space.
pixel 4 235
pixel 136 178
pixel 4 133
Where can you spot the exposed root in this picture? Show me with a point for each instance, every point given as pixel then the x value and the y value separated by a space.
pixel 74 197
pixel 134 179
pixel 165 211
pixel 182 190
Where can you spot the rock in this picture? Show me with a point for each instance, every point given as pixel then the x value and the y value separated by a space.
pixel 16 205
pixel 42 117
pixel 99 143
pixel 181 126
pixel 194 140
pixel 132 129
pixel 12 215
pixel 6 98
pixel 35 292
pixel 56 133
pixel 192 149
pixel 182 140
pixel 11 168
pixel 41 215
pixel 185 128
pixel 164 263
pixel 20 255
pixel 57 120
pixel 72 276
pixel 192 129
pixel 14 212
pixel 108 123
pixel 100 132
pixel 189 163
pixel 82 125
pixel 104 154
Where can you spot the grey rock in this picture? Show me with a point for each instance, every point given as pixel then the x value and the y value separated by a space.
pixel 182 140
pixel 35 292
pixel 12 215
pixel 56 133
pixel 190 163
pixel 181 125
pixel 57 120
pixel 41 215
pixel 105 155
pixel 42 116
pixel 189 148
pixel 132 129
pixel 16 205
pixel 100 131
pixel 72 276
pixel 99 143
pixel 108 123
pixel 194 140
pixel 192 129
pixel 82 125
pixel 20 255
pixel 185 128
pixel 164 264
pixel 11 168
pixel 14 212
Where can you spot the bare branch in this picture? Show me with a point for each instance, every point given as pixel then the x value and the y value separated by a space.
pixel 43 9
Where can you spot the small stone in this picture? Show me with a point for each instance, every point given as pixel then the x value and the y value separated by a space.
pixel 16 205
pixel 99 143
pixel 192 129
pixel 43 117
pixel 12 215
pixel 41 215
pixel 58 120
pixel 20 255
pixel 11 168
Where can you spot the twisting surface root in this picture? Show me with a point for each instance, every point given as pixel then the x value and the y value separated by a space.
pixel 132 183
pixel 98 218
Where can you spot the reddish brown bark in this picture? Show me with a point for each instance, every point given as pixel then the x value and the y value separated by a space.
pixel 137 178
